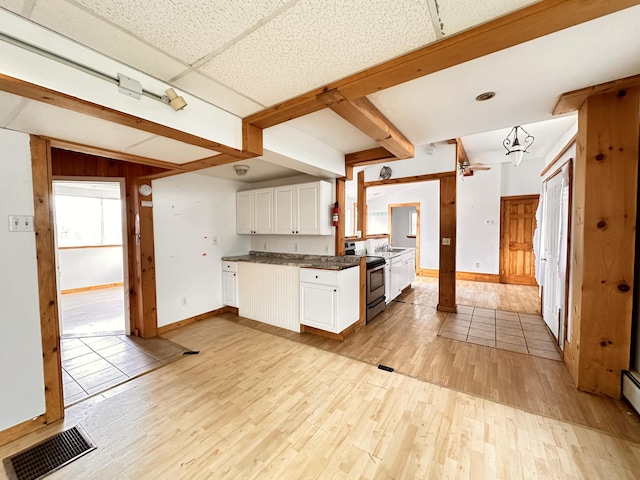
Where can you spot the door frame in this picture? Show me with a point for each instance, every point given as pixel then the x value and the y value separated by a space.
pixel 502 226
pixel 125 250
pixel 390 208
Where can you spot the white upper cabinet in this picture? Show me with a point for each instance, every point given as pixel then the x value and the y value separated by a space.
pixel 301 209
pixel 254 211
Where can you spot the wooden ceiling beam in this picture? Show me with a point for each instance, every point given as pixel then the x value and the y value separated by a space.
pixel 367 157
pixel 366 117
pixel 210 162
pixel 46 95
pixel 572 101
pixel 536 20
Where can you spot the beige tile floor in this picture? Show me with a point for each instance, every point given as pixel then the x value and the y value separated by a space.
pixel 517 332
pixel 94 364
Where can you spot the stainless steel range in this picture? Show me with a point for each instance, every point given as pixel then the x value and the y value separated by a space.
pixel 375 282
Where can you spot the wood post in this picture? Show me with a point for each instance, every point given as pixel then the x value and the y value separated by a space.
pixel 447 278
pixel 604 221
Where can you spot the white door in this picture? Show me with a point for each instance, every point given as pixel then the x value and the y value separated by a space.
pixel 284 210
pixel 244 212
pixel 551 243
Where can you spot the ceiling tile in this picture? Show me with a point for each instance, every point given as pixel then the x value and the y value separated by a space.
pixel 458 15
pixel 186 30
pixel 21 7
pixel 330 128
pixel 319 41
pixel 83 27
pixel 259 171
pixel 169 150
pixel 211 91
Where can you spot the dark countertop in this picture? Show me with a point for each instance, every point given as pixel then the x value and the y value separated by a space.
pixel 325 262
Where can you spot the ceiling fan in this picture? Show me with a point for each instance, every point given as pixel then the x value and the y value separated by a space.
pixel 466 169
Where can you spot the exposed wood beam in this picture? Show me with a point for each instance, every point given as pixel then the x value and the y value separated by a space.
pixel 529 23
pixel 251 139
pixel 112 154
pixel 367 157
pixel 572 101
pixel 447 246
pixel 210 162
pixel 62 100
pixel 415 178
pixel 366 117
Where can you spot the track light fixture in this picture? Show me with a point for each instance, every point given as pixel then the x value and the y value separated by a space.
pixel 176 102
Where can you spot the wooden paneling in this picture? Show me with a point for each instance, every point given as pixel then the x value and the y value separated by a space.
pixel 341 199
pixel 536 20
pixel 366 117
pixel 47 278
pixel 142 301
pixel 572 101
pixel 517 225
pixel 603 255
pixel 52 97
pixel 447 277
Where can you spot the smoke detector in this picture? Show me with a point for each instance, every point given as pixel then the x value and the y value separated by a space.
pixel 241 170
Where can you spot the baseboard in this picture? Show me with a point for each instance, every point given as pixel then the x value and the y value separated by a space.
pixel 197 318
pixel 471 276
pixel 92 287
pixel 333 336
pixel 631 389
pixel 22 429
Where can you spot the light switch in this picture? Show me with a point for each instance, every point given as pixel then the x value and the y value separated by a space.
pixel 21 223
pixel 446 241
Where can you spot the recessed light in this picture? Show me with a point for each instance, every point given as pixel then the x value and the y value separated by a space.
pixel 485 96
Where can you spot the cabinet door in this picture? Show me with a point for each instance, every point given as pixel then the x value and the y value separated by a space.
pixel 396 277
pixel 308 215
pixel 230 289
pixel 263 211
pixel 319 306
pixel 284 210
pixel 244 212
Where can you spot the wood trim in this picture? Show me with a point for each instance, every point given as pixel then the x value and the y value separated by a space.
pixel 365 116
pixel 197 318
pixel 91 288
pixel 558 170
pixel 47 277
pixel 252 139
pixel 62 100
pixel 83 247
pixel 149 324
pixel 448 215
pixel 362 206
pixel 467 276
pixel 340 229
pixel 213 161
pixel 414 179
pixel 559 155
pixel 572 101
pixel 417 236
pixel 333 336
pixel 22 429
pixel 522 197
pixel 369 157
pixel 168 173
pixel 523 25
pixel 363 291
pixel 111 154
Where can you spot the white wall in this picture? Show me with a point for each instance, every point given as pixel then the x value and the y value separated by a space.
pixel 478 222
pixel 306 244
pixel 87 267
pixel 188 211
pixel 21 371
pixel 524 179
pixel 401 226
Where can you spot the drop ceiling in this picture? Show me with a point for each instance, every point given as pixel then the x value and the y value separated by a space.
pixel 246 55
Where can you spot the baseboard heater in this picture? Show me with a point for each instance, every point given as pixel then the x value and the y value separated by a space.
pixel 631 388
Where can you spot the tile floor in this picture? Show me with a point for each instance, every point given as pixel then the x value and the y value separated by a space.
pixel 516 332
pixel 94 364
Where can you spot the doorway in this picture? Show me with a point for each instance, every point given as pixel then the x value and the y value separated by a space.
pixel 517 225
pixel 91 257
pixel 404 227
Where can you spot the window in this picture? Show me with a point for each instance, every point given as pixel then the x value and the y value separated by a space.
pixel 87 221
pixel 413 222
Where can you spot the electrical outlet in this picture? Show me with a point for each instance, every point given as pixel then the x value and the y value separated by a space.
pixel 183 301
pixel 477 264
pixel 214 240
pixel 326 249
pixel 295 247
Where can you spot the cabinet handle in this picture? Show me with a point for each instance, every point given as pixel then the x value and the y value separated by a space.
pixel 293 231
pixel 316 276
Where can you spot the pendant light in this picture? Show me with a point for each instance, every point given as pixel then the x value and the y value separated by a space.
pixel 515 149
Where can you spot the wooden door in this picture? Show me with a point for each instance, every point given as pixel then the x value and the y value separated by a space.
pixel 517 224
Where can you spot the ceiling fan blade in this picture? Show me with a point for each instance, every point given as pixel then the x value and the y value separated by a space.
pixel 479 166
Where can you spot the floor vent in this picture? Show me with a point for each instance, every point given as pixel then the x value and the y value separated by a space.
pixel 49 455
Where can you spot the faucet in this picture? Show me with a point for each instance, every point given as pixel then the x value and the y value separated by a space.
pixel 385 247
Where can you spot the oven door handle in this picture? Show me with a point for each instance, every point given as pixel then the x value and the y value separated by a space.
pixel 376 302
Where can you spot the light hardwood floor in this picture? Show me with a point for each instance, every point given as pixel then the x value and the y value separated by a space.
pixel 254 405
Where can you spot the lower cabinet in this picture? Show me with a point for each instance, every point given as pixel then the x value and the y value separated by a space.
pixel 329 299
pixel 402 272
pixel 230 284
